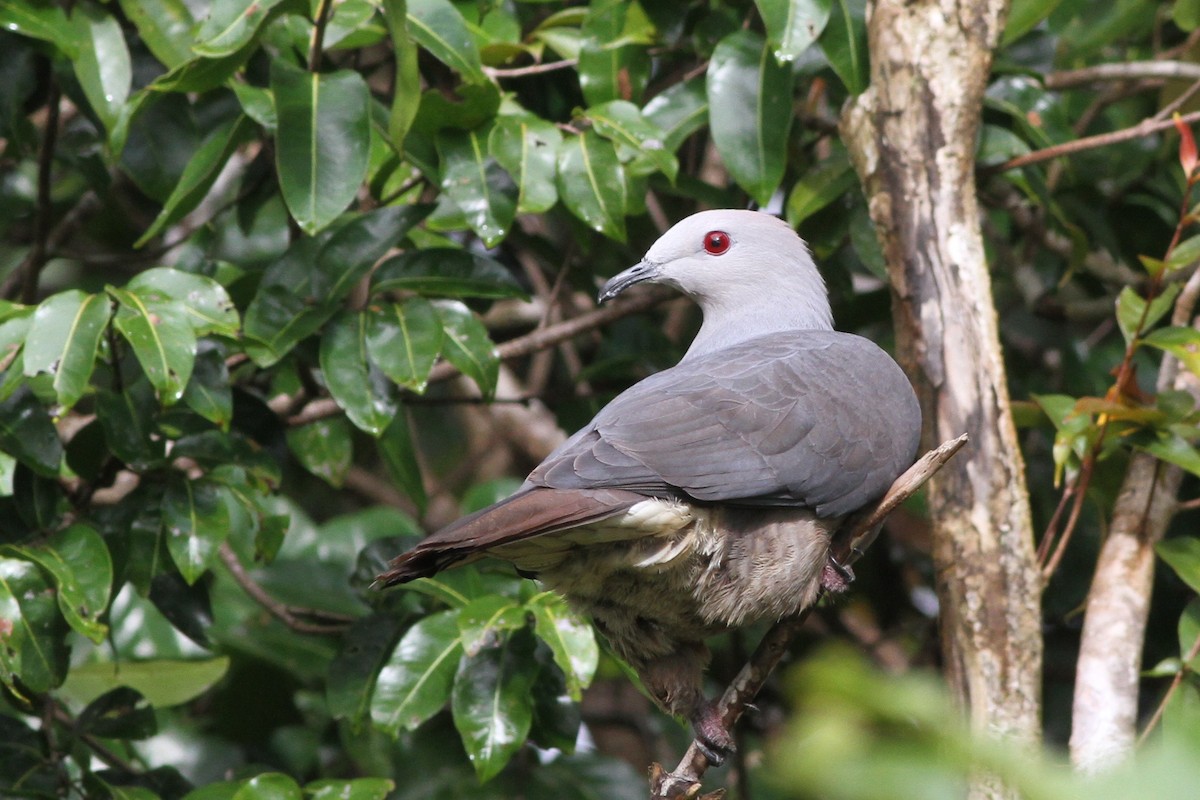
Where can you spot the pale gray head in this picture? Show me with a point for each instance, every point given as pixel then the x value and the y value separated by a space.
pixel 748 271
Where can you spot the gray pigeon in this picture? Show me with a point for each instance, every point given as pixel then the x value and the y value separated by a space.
pixel 704 497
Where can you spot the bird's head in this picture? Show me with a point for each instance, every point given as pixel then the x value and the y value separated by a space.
pixel 748 271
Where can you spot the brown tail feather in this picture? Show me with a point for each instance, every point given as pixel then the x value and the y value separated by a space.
pixel 531 512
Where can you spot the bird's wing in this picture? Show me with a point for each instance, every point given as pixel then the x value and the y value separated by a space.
pixel 529 512
pixel 815 418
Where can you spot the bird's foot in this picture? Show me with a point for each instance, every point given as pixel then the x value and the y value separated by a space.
pixel 713 738
pixel 835 576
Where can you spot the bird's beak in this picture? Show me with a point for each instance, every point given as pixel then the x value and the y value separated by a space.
pixel 641 271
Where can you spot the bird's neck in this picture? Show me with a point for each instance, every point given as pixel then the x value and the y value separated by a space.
pixel 732 320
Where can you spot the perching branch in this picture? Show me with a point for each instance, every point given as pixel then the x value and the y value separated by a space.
pixel 1130 71
pixel 288 615
pixel 1144 128
pixel 848 545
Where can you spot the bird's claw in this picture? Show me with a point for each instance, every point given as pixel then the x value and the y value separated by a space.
pixel 836 577
pixel 713 738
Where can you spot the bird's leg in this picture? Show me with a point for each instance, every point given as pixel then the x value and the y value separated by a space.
pixel 836 577
pixel 675 682
pixel 713 736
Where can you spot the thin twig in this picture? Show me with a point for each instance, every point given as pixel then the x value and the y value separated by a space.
pixel 500 73
pixel 1144 128
pixel 1130 71
pixel 286 614
pixel 847 546
pixel 316 43
pixel 1184 670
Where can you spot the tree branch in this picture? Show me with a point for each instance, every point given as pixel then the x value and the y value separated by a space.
pixel 1131 71
pixel 499 73
pixel 1143 129
pixel 288 615
pixel 847 546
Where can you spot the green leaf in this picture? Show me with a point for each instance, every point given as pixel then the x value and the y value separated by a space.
pixel 400 457
pixel 196 519
pixel 1174 449
pixel 82 569
pixel 527 147
pixel 406 89
pixel 128 419
pixel 165 26
pixel 611 66
pixel 208 306
pixel 1182 554
pixel 445 272
pixel 200 174
pixel 45 22
pixel 404 340
pixel 120 713
pixel 439 28
pixel 570 639
pixel 1133 316
pixel 1183 343
pixel 623 123
pixel 1189 629
pixel 492 702
pixel 323 141
pixel 468 346
pixel 162 338
pixel 819 187
pixel 1185 254
pixel 102 65
pixel 230 26
pixel 63 339
pixel 486 621
pixel 358 386
pixel 356 789
pixel 28 434
pixel 1024 16
pixel 679 111
pixel 324 448
pixel 844 43
pixel 34 647
pixel 793 25
pixel 477 184
pixel 415 682
pixel 750 112
pixel 366 648
pixel 591 182
pixel 203 74
pixel 269 786
pixel 208 391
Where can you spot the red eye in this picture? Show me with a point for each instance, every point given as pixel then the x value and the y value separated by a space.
pixel 716 242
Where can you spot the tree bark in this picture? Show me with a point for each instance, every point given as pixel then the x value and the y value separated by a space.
pixel 912 138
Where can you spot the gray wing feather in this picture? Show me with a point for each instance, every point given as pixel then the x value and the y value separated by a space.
pixel 820 419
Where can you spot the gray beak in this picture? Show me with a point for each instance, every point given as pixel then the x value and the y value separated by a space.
pixel 642 271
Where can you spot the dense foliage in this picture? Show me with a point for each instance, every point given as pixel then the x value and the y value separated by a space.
pixel 261 260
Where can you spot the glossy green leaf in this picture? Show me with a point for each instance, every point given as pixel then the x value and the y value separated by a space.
pixel 679 111
pixel 165 26
pixel 208 306
pixel 63 338
pixel 230 26
pixel 468 346
pixel 527 147
pixel 356 789
pixel 477 184
pixel 120 713
pixel 406 90
pixel 1174 449
pixel 492 702
pixel 204 74
pixel 45 22
pixel 819 187
pixel 103 66
pixel 269 786
pixel 200 174
pixel 1184 254
pixel 1025 15
pixel 162 338
pixel 322 143
pixel 1189 629
pixel 750 112
pixel 439 28
pixel 128 419
pixel 570 639
pixel 196 518
pixel 1182 553
pixel 844 43
pixel 793 25
pixel 445 272
pixel 324 448
pixel 28 434
pixel 1183 343
pixel 360 388
pixel 399 455
pixel 82 568
pixel 415 682
pixel 611 65
pixel 208 391
pixel 35 634
pixel 591 182
pixel 1135 316
pixel 486 621
pixel 404 340
pixel 624 124
pixel 365 649
pixel 161 139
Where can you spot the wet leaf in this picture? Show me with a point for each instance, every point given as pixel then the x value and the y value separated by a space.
pixel 445 272
pixel 793 25
pixel 477 184
pixel 1182 553
pixel 527 147
pixel 679 111
pixel 324 448
pixel 467 345
pixel 624 124
pixel 102 64
pixel 844 43
pixel 359 387
pixel 209 307
pixel 404 340
pixel 165 26
pixel 591 182
pixel 439 28
pixel 486 621
pixel 82 568
pixel 230 26
pixel 570 639
pixel 406 91
pixel 400 457
pixel 162 338
pixel 28 434
pixel 415 682
pixel 32 631
pixel 196 519
pixel 63 339
pixel 366 648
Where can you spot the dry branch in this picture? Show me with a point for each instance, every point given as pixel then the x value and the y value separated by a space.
pixel 847 547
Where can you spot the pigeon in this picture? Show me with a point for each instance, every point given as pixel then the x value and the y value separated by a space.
pixel 704 497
